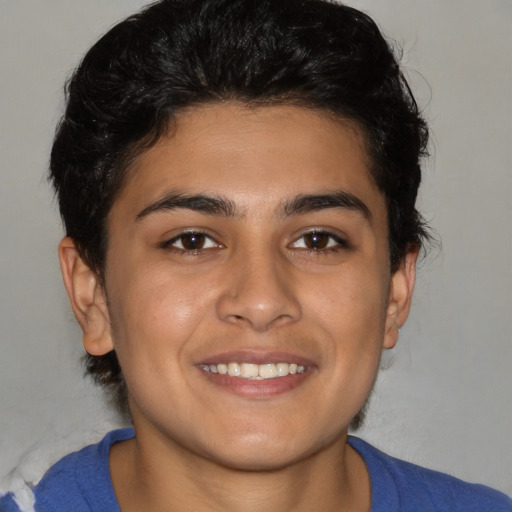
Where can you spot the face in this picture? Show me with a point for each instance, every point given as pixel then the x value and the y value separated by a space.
pixel 248 291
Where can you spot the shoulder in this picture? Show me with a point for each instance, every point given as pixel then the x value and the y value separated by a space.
pixel 402 486
pixel 79 482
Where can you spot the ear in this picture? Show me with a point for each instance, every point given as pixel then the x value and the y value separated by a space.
pixel 87 299
pixel 400 298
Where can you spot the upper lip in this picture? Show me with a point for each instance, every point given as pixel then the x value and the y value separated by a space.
pixel 257 356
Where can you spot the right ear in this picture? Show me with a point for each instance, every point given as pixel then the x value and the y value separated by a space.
pixel 87 298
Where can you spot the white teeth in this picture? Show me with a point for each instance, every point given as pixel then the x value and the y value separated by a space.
pixel 268 371
pixel 248 370
pixel 233 369
pixel 283 369
pixel 255 371
pixel 222 368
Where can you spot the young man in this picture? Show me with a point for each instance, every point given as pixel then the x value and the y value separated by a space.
pixel 238 181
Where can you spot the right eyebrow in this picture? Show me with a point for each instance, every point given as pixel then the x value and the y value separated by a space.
pixel 211 205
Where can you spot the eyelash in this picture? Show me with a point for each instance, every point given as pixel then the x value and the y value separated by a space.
pixel 169 244
pixel 334 243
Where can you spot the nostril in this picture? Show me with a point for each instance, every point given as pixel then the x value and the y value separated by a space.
pixel 249 301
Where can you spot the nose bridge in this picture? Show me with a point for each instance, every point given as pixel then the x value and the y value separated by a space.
pixel 258 291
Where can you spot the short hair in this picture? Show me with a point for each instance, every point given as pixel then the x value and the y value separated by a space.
pixel 180 53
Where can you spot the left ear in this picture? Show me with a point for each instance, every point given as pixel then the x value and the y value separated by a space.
pixel 400 298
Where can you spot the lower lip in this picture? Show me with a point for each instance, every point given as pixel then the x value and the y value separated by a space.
pixel 248 388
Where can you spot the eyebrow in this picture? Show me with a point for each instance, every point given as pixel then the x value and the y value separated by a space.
pixel 211 205
pixel 309 203
pixel 217 205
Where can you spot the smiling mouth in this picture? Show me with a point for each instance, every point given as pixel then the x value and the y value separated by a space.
pixel 251 371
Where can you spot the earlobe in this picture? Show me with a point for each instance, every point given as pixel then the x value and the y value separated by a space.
pixel 87 299
pixel 400 298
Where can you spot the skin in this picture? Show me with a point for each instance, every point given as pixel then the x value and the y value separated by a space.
pixel 256 283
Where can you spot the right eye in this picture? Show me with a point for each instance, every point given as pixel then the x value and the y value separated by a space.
pixel 191 242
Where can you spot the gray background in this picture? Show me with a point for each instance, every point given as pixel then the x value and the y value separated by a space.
pixel 444 401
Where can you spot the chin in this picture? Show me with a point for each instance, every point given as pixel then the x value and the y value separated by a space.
pixel 265 453
pixel 257 462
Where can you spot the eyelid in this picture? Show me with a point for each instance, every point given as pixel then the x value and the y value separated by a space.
pixel 337 241
pixel 170 242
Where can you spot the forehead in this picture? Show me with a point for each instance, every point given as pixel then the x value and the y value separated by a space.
pixel 257 156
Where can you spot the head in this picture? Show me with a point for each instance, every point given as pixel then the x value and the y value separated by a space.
pixel 135 82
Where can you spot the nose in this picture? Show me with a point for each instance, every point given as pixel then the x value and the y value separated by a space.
pixel 258 293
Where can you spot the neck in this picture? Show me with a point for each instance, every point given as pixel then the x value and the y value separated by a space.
pixel 165 476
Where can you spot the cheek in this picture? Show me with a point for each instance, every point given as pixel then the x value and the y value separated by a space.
pixel 351 301
pixel 351 311
pixel 158 306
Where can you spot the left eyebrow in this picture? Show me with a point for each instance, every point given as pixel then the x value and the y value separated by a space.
pixel 315 202
pixel 211 205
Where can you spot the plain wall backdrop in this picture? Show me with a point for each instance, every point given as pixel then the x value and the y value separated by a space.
pixel 444 401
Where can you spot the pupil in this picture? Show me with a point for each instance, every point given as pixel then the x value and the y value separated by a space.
pixel 317 240
pixel 193 241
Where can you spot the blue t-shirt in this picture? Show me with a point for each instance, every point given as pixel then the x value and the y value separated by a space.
pixel 81 482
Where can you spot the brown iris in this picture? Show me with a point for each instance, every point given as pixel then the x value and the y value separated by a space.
pixel 193 241
pixel 316 240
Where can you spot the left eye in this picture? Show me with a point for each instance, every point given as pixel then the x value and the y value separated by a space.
pixel 318 241
pixel 192 242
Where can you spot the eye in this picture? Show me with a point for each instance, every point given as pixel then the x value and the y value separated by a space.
pixel 319 241
pixel 192 242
